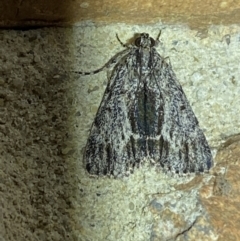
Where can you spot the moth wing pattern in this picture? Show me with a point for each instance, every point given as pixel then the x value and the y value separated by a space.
pixel 145 114
pixel 182 146
pixel 111 129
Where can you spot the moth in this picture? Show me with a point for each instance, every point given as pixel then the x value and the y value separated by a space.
pixel 144 115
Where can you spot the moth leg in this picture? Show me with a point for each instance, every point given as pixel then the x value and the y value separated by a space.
pixel 112 62
pixel 124 45
pixel 158 36
pixel 157 41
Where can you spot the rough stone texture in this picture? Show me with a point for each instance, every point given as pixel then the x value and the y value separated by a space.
pixel 46 112
pixel 36 184
pixel 223 204
pixel 195 13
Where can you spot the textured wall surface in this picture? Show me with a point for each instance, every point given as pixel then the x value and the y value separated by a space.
pixel 194 13
pixel 46 115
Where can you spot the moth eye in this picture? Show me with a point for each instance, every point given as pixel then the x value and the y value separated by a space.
pixel 138 41
pixel 152 42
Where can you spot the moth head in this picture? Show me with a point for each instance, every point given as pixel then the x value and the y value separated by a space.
pixel 144 41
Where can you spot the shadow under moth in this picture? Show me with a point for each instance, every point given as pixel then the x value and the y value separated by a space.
pixel 144 115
